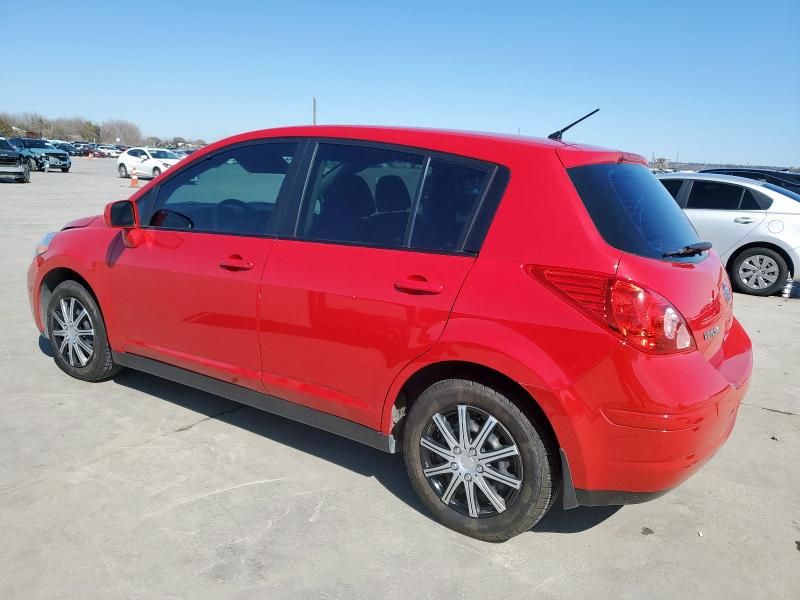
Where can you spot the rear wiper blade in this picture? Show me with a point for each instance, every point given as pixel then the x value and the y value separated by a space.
pixel 690 250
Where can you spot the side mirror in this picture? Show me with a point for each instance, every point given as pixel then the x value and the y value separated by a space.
pixel 123 213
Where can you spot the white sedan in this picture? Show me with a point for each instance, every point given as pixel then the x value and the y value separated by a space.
pixel 754 226
pixel 108 150
pixel 148 162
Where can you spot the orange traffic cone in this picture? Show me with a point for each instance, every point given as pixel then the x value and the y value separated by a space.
pixel 134 178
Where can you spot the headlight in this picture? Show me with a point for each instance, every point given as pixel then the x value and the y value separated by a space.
pixel 44 243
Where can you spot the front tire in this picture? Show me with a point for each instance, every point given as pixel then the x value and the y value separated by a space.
pixel 123 171
pixel 77 333
pixel 32 165
pixel 65 169
pixel 759 271
pixel 481 466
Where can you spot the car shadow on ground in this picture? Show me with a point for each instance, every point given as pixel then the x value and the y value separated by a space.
pixel 388 469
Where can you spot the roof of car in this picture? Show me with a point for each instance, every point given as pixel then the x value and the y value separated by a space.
pixel 481 145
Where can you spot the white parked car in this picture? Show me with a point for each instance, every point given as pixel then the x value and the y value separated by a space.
pixel 754 226
pixel 148 162
pixel 108 150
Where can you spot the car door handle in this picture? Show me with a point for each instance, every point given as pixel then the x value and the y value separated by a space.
pixel 418 285
pixel 743 220
pixel 236 263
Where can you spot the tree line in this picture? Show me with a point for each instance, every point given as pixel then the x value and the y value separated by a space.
pixel 78 128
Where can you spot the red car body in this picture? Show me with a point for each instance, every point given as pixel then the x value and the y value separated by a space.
pixel 347 330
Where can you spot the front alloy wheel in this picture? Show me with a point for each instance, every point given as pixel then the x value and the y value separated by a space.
pixel 471 461
pixel 73 331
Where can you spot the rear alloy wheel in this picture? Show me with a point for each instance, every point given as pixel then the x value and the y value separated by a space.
pixel 156 172
pixel 123 171
pixel 759 271
pixel 480 465
pixel 78 334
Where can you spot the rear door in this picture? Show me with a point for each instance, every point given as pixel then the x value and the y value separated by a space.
pixel 722 213
pixel 368 275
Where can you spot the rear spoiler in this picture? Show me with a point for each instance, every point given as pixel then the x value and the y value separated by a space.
pixel 575 155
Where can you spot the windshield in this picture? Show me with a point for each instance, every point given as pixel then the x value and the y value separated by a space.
pixel 632 210
pixel 776 188
pixel 37 144
pixel 162 154
pixel 4 145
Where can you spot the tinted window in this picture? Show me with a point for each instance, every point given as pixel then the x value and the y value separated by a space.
pixel 360 195
pixel 631 209
pixel 450 194
pixel 673 186
pixel 229 192
pixel 714 195
pixel 749 201
pixel 5 145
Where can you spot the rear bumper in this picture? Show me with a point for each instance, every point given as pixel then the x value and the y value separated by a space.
pixel 643 425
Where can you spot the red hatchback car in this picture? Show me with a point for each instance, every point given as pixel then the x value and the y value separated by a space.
pixel 517 316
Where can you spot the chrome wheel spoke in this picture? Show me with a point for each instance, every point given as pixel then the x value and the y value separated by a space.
pixel 65 312
pixel 80 316
pixel 472 499
pixel 488 457
pixel 436 448
pixel 439 470
pixel 444 428
pixel 63 345
pixel 59 320
pixel 84 332
pixel 82 359
pixel 448 494
pixel 497 502
pixel 463 426
pixel 484 433
pixel 504 478
pixel 71 323
pixel 84 346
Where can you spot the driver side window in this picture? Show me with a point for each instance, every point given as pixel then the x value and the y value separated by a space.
pixel 233 192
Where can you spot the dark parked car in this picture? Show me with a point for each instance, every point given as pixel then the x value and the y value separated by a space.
pixel 784 179
pixel 40 152
pixel 67 147
pixel 12 163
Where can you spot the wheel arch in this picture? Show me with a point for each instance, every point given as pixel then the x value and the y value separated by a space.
pixel 761 244
pixel 425 376
pixel 51 280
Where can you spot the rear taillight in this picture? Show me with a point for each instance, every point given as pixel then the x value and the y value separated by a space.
pixel 644 319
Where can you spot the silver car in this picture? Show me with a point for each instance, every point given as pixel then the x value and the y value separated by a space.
pixel 753 225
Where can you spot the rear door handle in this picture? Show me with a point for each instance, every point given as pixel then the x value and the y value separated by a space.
pixel 418 286
pixel 743 220
pixel 236 263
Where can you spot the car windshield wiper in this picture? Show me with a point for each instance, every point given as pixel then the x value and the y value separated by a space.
pixel 690 250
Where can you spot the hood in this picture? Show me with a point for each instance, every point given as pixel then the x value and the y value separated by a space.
pixel 82 222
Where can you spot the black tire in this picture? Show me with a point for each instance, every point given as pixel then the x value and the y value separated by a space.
pixel 122 170
pixel 537 453
pixel 100 364
pixel 26 174
pixel 32 165
pixel 741 286
pixel 156 172
pixel 65 169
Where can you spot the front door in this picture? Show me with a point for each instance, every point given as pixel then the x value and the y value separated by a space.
pixel 368 282
pixel 188 293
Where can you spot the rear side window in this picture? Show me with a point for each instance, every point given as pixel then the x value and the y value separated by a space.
pixel 631 209
pixel 712 195
pixel 449 198
pixel 360 195
pixel 673 186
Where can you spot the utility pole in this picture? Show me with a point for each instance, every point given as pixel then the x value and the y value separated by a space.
pixel 314 111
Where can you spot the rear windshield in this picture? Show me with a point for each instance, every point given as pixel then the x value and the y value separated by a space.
pixel 632 210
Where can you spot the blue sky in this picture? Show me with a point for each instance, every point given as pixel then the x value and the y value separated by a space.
pixel 715 81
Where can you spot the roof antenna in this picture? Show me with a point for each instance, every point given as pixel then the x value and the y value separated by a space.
pixel 556 135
